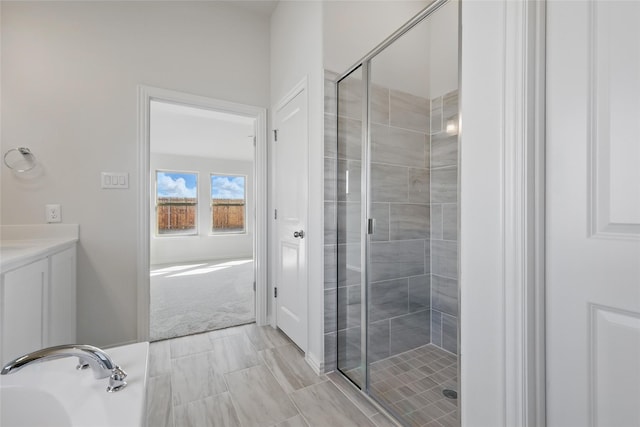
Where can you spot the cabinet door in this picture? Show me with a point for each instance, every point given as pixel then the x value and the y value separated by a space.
pixel 24 293
pixel 62 294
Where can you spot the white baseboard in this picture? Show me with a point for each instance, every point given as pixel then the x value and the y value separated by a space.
pixel 317 366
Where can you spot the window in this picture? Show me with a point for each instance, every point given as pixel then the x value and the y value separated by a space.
pixel 176 203
pixel 228 201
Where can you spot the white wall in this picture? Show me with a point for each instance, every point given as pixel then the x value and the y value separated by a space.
pixel 204 246
pixel 405 65
pixel 444 50
pixel 352 28
pixel 69 77
pixel 482 351
pixel 296 53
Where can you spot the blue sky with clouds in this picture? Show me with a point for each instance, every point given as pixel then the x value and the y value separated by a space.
pixel 227 187
pixel 174 184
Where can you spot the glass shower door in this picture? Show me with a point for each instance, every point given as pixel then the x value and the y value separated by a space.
pixel 397 203
pixel 399 316
pixel 351 360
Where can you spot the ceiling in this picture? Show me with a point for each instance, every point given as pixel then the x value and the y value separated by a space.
pixel 189 131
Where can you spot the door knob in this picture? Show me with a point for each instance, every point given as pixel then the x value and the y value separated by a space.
pixel 299 234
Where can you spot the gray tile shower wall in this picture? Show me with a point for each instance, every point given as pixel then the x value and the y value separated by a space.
pixel 408 332
pixel 398 146
pixel 419 295
pixel 450 333
pixel 444 221
pixel 399 262
pixel 408 111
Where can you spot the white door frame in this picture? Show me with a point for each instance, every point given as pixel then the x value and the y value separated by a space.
pixel 524 213
pixel 502 352
pixel 145 95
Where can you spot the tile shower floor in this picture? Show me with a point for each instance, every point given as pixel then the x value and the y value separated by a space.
pixel 247 376
pixel 411 385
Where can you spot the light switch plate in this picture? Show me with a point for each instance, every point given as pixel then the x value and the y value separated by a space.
pixel 118 180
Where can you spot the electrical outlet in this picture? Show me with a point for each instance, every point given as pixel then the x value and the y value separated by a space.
pixel 52 213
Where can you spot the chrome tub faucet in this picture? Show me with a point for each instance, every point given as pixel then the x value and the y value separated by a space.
pixel 88 356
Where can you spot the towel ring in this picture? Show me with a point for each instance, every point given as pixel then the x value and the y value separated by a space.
pixel 20 159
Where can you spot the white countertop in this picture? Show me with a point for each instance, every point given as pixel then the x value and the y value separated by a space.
pixel 23 244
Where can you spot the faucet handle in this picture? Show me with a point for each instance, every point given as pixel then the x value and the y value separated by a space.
pixel 116 380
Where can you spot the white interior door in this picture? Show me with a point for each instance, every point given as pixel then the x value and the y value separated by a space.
pixel 593 213
pixel 291 174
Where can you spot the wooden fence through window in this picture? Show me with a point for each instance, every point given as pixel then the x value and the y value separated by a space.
pixel 176 214
pixel 228 215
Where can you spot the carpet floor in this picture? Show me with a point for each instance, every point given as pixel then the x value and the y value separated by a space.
pixel 195 297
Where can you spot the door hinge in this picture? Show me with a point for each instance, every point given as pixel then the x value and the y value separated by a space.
pixel 275 214
pixel 254 141
pixel 275 292
pixel 275 135
pixel 254 286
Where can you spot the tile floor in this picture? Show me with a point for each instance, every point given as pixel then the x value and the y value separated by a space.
pixel 247 376
pixel 411 385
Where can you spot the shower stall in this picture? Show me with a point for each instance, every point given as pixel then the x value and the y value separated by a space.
pixel 395 205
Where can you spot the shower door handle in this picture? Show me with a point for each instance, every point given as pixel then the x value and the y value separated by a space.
pixel 299 234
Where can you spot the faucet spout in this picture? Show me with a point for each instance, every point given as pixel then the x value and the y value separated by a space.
pixel 98 360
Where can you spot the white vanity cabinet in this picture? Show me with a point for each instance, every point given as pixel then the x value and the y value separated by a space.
pixel 62 297
pixel 38 302
pixel 24 295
